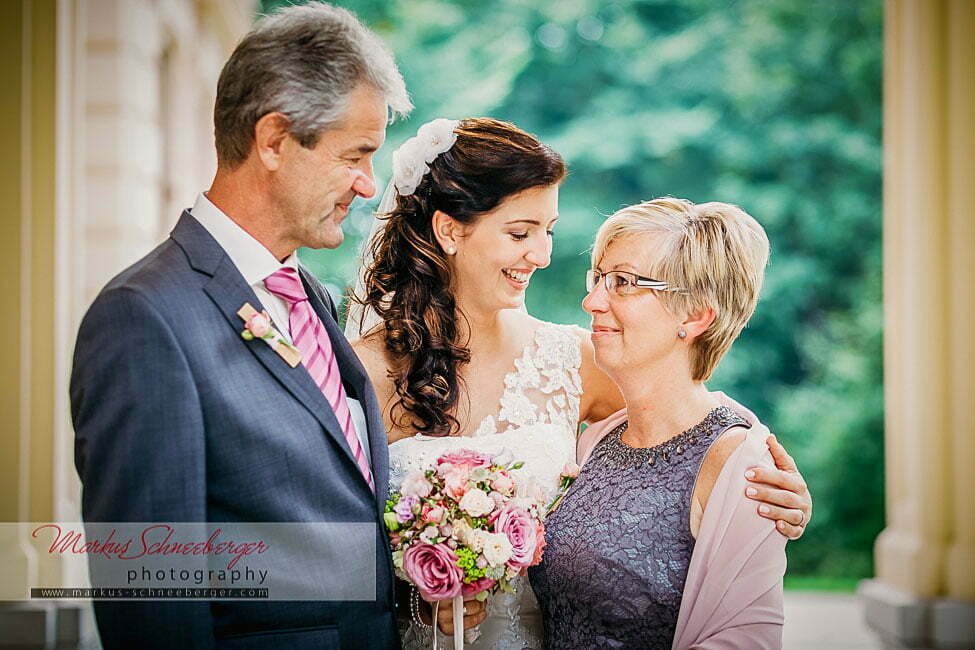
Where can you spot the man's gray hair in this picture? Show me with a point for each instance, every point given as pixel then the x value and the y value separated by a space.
pixel 303 61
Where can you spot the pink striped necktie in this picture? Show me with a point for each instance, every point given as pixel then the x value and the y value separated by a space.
pixel 310 337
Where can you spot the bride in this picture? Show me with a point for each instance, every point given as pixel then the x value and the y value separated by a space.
pixel 455 359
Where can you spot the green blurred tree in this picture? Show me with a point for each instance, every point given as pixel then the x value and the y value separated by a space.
pixel 772 105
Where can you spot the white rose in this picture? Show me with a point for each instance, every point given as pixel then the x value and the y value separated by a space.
pixel 416 484
pixel 408 167
pixel 474 539
pixel 462 531
pixel 429 534
pixel 497 548
pixel 437 137
pixel 476 503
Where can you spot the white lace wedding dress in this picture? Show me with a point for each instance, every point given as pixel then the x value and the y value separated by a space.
pixel 536 422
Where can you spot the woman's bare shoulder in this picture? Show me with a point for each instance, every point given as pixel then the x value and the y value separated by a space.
pixel 371 350
pixel 717 457
pixel 371 345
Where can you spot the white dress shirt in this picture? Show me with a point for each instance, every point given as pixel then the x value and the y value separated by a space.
pixel 255 263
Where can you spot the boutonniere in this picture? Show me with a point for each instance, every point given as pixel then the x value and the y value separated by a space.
pixel 257 325
pixel 570 472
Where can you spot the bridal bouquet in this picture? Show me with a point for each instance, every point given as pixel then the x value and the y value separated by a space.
pixel 464 527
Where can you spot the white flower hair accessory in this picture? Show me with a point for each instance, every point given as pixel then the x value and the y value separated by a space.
pixel 412 160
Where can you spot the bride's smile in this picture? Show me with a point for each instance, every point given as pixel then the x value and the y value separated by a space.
pixel 494 257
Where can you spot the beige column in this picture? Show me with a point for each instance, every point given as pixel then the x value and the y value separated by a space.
pixel 30 360
pixel 89 99
pixel 925 586
pixel 910 551
pixel 960 180
pixel 27 259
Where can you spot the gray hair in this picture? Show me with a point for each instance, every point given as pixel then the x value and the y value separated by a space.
pixel 303 61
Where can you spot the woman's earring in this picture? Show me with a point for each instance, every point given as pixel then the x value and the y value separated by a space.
pixel 681 333
pixel 451 250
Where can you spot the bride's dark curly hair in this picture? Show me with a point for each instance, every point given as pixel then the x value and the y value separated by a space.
pixel 408 283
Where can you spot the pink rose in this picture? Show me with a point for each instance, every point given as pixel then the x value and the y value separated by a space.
pixel 259 325
pixel 540 544
pixel 465 457
pixel 493 517
pixel 433 569
pixel 503 482
pixel 433 515
pixel 522 532
pixel 455 481
pixel 570 469
pixel 476 587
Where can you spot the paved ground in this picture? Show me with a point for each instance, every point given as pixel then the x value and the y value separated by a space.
pixel 816 620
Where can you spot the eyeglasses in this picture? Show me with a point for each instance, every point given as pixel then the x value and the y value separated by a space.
pixel 624 283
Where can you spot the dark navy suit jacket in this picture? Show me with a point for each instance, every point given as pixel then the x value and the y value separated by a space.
pixel 178 418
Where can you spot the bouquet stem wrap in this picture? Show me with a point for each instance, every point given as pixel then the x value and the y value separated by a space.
pixel 458 606
pixel 458 623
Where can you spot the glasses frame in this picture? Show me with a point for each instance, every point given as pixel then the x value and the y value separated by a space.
pixel 593 277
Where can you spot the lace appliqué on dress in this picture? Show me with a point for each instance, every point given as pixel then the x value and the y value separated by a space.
pixel 545 386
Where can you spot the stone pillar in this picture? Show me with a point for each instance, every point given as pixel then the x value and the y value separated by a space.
pixel 31 364
pixel 107 108
pixel 924 593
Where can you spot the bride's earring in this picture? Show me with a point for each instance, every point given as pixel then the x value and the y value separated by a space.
pixel 681 333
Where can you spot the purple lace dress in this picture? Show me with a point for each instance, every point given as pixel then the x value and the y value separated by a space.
pixel 619 544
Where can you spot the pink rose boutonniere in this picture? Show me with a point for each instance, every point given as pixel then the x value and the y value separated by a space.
pixel 257 325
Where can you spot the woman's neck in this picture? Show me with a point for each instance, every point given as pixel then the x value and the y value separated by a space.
pixel 662 403
pixel 478 328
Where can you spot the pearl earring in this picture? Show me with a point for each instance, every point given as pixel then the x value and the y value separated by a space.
pixel 681 334
pixel 451 250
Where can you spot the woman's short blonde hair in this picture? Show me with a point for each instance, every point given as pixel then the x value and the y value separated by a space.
pixel 716 252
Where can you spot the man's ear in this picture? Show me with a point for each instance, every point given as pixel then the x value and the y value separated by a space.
pixel 697 322
pixel 270 134
pixel 447 230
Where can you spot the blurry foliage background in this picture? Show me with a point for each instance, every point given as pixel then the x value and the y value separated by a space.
pixel 774 105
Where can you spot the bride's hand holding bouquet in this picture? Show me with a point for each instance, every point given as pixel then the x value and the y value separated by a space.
pixel 463 529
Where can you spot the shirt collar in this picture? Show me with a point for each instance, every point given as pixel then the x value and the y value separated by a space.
pixel 252 259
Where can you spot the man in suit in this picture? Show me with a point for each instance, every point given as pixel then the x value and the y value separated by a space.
pixel 178 418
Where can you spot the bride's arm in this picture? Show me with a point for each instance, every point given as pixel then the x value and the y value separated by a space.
pixel 600 396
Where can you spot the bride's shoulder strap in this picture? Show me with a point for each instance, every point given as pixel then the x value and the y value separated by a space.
pixel 569 339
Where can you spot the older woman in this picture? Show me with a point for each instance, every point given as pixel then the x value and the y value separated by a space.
pixel 655 545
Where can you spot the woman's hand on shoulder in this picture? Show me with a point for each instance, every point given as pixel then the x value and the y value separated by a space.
pixel 600 395
pixel 781 491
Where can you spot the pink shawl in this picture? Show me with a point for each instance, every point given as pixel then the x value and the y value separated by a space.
pixel 733 593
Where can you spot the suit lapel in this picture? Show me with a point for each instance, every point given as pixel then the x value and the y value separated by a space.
pixel 228 290
pixel 353 372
